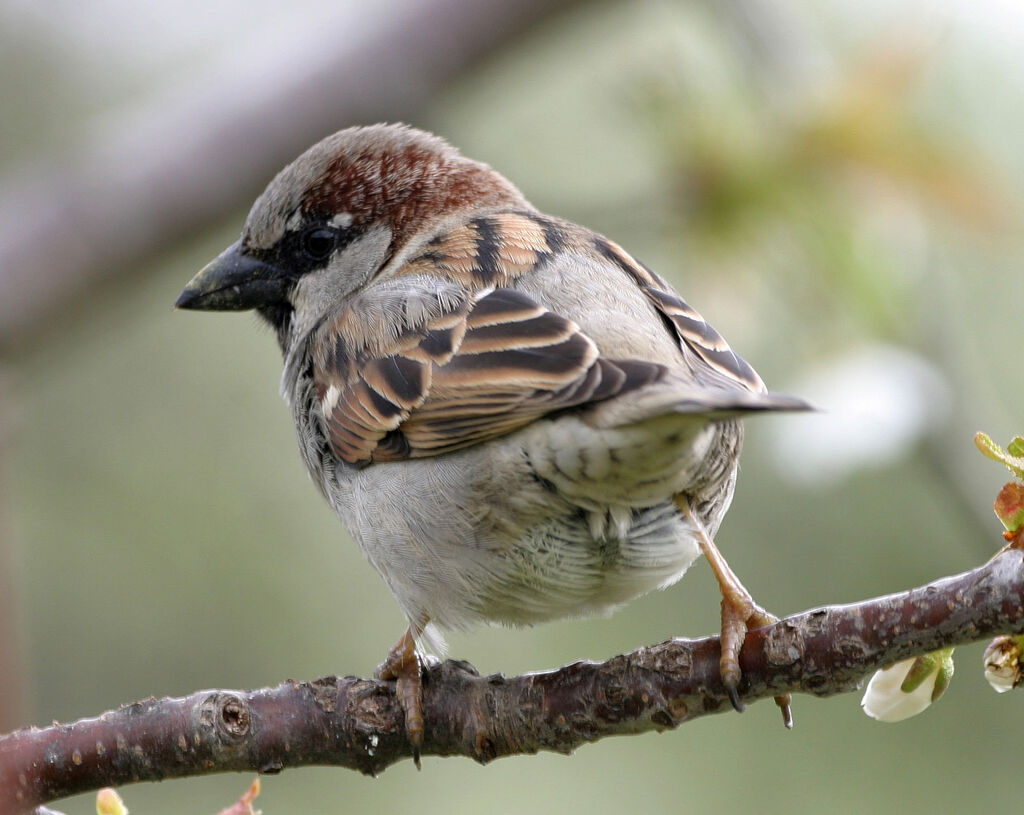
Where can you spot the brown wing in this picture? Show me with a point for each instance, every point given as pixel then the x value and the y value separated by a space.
pixel 693 331
pixel 494 249
pixel 489 365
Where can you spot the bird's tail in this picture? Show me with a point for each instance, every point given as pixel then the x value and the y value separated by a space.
pixel 680 399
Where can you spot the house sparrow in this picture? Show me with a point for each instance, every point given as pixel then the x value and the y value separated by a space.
pixel 515 419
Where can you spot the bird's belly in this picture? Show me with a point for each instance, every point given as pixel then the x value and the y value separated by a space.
pixel 463 542
pixel 557 520
pixel 559 568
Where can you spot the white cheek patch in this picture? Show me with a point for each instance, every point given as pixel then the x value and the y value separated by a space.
pixel 321 292
pixel 343 220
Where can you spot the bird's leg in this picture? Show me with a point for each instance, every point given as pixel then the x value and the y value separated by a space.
pixel 739 614
pixel 403 665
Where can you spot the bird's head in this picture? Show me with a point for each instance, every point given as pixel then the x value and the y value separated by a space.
pixel 335 218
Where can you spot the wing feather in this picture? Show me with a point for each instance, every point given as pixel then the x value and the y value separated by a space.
pixel 694 332
pixel 487 367
pixel 478 359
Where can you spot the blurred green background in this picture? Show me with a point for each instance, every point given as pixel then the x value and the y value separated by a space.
pixel 836 186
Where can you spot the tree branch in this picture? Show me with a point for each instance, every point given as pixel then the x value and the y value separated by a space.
pixel 357 723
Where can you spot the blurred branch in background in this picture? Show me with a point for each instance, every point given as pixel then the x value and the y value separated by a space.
pixel 359 724
pixel 148 179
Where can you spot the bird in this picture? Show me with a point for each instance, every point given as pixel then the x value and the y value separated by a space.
pixel 515 419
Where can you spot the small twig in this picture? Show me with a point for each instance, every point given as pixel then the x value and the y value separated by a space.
pixel 357 723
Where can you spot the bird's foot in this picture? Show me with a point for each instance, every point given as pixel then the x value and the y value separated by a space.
pixel 404 666
pixel 741 614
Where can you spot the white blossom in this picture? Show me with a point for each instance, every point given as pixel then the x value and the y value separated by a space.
pixel 908 687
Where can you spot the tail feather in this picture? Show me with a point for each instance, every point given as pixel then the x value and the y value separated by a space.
pixel 715 404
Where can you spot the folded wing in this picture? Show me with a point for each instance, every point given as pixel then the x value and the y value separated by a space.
pixel 486 367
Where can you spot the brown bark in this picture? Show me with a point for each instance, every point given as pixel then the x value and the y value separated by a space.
pixel 357 723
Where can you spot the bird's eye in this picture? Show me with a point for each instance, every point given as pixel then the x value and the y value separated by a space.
pixel 318 242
